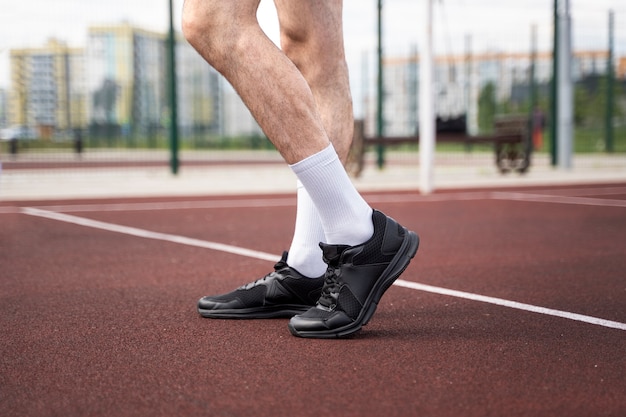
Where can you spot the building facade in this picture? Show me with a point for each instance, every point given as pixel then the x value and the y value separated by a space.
pixel 125 79
pixel 458 81
pixel 200 94
pixel 117 86
pixel 47 89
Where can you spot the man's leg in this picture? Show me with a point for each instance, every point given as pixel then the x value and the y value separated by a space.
pixel 228 36
pixel 357 277
pixel 365 252
pixel 312 38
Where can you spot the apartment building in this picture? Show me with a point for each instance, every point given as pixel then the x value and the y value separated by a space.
pixel 116 84
pixel 459 79
pixel 47 89
pixel 125 79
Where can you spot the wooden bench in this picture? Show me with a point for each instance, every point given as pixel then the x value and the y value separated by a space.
pixel 511 143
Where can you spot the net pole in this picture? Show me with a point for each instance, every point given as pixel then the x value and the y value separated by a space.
pixel 610 81
pixel 426 105
pixel 380 118
pixel 565 94
pixel 554 105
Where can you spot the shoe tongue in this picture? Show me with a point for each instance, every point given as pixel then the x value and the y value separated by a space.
pixel 332 253
pixel 283 261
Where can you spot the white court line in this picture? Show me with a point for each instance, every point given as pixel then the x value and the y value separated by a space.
pixel 133 231
pixel 270 257
pixel 511 304
pixel 559 199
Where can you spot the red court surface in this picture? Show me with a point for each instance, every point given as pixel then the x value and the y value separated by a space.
pixel 515 305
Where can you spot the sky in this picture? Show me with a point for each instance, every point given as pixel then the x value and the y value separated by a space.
pixel 491 24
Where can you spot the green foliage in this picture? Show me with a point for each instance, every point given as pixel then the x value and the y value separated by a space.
pixel 589 113
pixel 487 108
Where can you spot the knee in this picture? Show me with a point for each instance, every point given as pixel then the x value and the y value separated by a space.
pixel 197 21
pixel 215 27
pixel 207 25
pixel 297 45
pixel 315 56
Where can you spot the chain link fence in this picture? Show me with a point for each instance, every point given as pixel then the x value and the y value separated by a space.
pixel 106 103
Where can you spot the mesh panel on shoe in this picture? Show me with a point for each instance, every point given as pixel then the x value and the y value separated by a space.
pixel 253 296
pixel 372 249
pixel 348 303
pixel 307 289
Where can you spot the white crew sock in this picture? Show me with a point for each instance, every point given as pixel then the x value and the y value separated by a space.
pixel 346 218
pixel 305 254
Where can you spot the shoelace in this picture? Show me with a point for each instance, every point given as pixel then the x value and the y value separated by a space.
pixel 331 287
pixel 279 265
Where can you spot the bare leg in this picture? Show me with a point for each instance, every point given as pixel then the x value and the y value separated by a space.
pixel 312 37
pixel 227 34
pixel 300 98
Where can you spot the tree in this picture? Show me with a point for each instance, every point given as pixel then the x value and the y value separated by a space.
pixel 487 107
pixel 104 102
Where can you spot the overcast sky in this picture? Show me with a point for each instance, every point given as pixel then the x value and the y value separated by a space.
pixel 492 24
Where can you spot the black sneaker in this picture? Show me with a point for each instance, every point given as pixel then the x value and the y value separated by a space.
pixel 356 278
pixel 282 293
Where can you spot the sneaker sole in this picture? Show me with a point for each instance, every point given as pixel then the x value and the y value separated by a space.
pixel 283 311
pixel 396 267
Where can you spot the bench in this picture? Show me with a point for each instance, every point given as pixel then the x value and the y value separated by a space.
pixel 511 142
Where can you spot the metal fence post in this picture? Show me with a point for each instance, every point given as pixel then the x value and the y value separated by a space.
pixel 174 162
pixel 554 107
pixel 610 100
pixel 380 121
pixel 427 105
